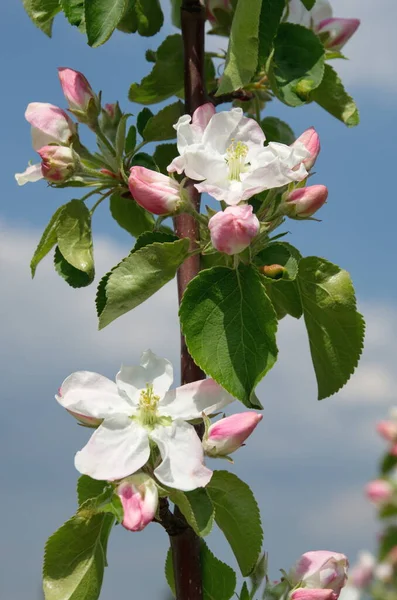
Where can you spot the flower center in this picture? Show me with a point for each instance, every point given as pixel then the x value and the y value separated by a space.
pixel 148 402
pixel 235 158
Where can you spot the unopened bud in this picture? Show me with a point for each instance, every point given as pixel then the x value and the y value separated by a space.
pixel 50 125
pixel 311 141
pixel 58 163
pixel 302 203
pixel 388 430
pixel 110 118
pixel 379 491
pixel 273 271
pixel 139 497
pixel 335 32
pixel 157 193
pixel 233 229
pixel 83 103
pixel 229 434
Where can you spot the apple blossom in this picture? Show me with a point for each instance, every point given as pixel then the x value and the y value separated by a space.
pixel 77 90
pixel 50 125
pixel 321 570
pixel 313 594
pixel 155 192
pixel 137 410
pixel 379 491
pixel 225 152
pixel 311 141
pixel 388 430
pixel 229 434
pixel 302 203
pixel 139 498
pixel 58 163
pixel 233 229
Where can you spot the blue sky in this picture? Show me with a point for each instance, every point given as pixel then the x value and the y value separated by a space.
pixel 310 460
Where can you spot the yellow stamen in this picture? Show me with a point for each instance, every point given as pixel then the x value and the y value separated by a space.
pixel 236 155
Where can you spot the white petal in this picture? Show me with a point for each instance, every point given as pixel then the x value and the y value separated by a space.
pixel 40 139
pixel 203 115
pixel 118 448
pixel 221 129
pixel 92 395
pixel 178 165
pixel 33 173
pixel 183 458
pixel 204 163
pixel 152 370
pixel 290 155
pixel 190 401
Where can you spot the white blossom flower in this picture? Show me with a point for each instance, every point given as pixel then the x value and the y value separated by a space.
pixel 225 151
pixel 137 411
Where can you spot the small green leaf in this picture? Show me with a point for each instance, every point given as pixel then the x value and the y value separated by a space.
pixel 244 594
pixel 143 117
pixel 388 541
pixel 297 65
pixel 47 241
pixel 334 327
pixel 308 4
pixel 74 236
pixel 138 277
pixel 160 126
pixel 277 131
pixel 129 215
pixel 130 141
pixel 88 488
pixel 218 579
pixel 75 558
pixel 150 237
pixel 108 502
pixel 121 139
pixel 237 515
pixel 230 328
pixel 196 507
pixel 102 18
pixel 72 276
pixel 143 16
pixel 242 54
pixel 166 78
pixel 332 96
pixel 74 12
pixel 164 155
pixel 270 17
pixel 42 13
pixel 389 462
pixel 142 159
pixel 283 254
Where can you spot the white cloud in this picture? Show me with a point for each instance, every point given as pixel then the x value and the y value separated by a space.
pixel 307 463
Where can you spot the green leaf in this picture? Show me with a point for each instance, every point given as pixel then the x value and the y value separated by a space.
pixel 277 131
pixel 160 126
pixel 166 77
pixel 230 328
pixel 129 215
pixel 47 241
pixel 88 488
pixel 130 141
pixel 75 559
pixel 237 515
pixel 196 507
pixel 108 502
pixel 142 159
pixel 102 18
pixel 150 237
pixel 143 16
pixel 72 276
pixel 386 511
pixel 42 13
pixel 218 579
pixel 244 594
pixel 74 11
pixel 121 139
pixel 297 66
pixel 164 155
pixel 389 462
pixel 388 541
pixel 270 17
pixel 308 4
pixel 242 54
pixel 335 328
pixel 143 117
pixel 283 254
pixel 138 277
pixel 74 236
pixel 332 96
pixel 176 13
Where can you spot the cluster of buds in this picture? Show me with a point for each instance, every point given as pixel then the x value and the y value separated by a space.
pixel 318 575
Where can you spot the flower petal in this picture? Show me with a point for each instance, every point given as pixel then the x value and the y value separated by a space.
pixel 152 370
pixel 231 126
pixel 190 401
pixel 118 448
pixel 33 173
pixel 203 115
pixel 202 163
pixel 183 457
pixel 92 395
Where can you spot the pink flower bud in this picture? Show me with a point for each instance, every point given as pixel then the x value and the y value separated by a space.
pixel 77 90
pixel 233 229
pixel 321 570
pixel 139 497
pixel 229 434
pixel 311 140
pixel 313 594
pixel 50 125
pixel 58 163
pixel 362 573
pixel 212 5
pixel 336 32
pixel 379 491
pixel 388 430
pixel 302 203
pixel 158 193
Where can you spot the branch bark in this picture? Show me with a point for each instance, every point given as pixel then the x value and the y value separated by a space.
pixel 185 546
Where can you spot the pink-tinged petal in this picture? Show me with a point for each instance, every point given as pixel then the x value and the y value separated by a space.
pixel 50 124
pixel 233 229
pixel 32 174
pixel 154 191
pixel 58 163
pixel 379 491
pixel 190 401
pixel 362 573
pixel 321 569
pixel 203 115
pixel 153 370
pixel 76 88
pixel 229 434
pixel 304 202
pixel 312 594
pixel 182 456
pixel 311 141
pixel 117 449
pixel 388 430
pixel 139 497
pixel 337 31
pixel 92 395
